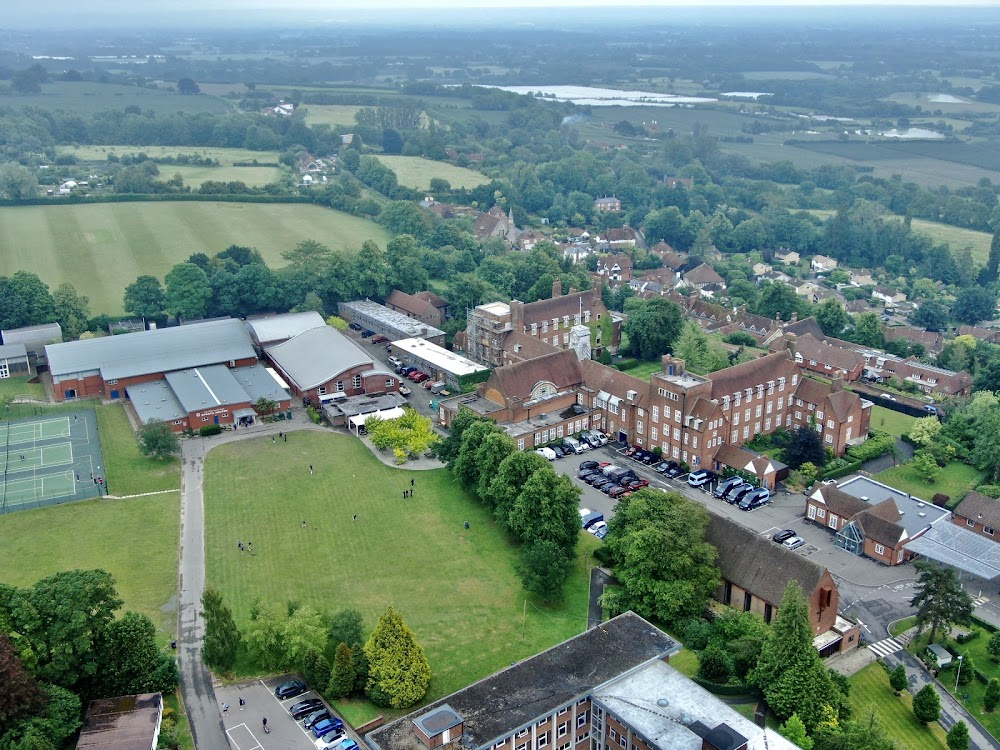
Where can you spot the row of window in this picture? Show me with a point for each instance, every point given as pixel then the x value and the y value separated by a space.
pixel 988 530
pixel 356 381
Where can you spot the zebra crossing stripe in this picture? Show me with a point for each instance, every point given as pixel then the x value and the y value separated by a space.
pixel 885 647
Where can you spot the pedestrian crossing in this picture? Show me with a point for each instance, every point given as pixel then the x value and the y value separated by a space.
pixel 885 647
pixel 979 601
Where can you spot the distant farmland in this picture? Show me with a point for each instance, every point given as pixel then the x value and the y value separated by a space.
pixel 103 247
pixel 417 172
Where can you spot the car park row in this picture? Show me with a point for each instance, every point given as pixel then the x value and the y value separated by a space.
pixel 326 731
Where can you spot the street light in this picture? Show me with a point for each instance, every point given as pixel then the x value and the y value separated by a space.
pixel 959 673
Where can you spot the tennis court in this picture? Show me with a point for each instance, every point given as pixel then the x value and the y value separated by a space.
pixel 50 460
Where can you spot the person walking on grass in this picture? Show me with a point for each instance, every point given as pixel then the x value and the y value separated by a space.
pixel 310 469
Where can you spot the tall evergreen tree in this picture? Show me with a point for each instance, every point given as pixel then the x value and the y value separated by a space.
pixel 342 678
pixel 222 638
pixel 398 672
pixel 927 704
pixel 940 599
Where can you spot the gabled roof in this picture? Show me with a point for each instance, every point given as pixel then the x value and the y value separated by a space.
pixel 159 350
pixel 755 563
pixel 409 303
pixel 750 374
pixel 827 354
pixel 838 501
pixel 981 509
pixel 805 326
pixel 811 391
pixel 841 402
pixel 317 356
pixel 600 377
pixel 521 346
pixel 13 351
pixel 283 327
pixel 438 302
pixel 517 379
pixel 881 523
pixel 544 310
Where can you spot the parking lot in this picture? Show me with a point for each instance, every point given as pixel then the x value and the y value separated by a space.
pixel 244 726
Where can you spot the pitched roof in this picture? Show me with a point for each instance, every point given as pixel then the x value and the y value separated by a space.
pixel 619 234
pixel 600 377
pixel 806 325
pixel 558 307
pixel 428 296
pixel 703 274
pixel 521 346
pixel 317 356
pixel 755 563
pixel 980 508
pixel 827 354
pixel 283 327
pixel 841 402
pixel 13 351
pixel 159 350
pixel 409 303
pixel 517 379
pixel 752 373
pixel 881 523
pixel 838 501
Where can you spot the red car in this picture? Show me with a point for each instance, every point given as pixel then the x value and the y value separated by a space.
pixel 617 493
pixel 420 377
pixel 414 375
pixel 379 339
pixel 637 484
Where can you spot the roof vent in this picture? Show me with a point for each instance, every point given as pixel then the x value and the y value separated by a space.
pixel 662 702
pixel 865 498
pixel 922 515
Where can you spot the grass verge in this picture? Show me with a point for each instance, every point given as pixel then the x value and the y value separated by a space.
pixel 870 691
pixel 456 588
pixel 891 421
pixel 128 471
pixel 21 387
pixel 955 480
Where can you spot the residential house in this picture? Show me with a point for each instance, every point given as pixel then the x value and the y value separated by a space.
pixel 496 223
pixel 620 237
pixel 858 306
pixel 932 341
pixel 756 571
pixel 610 686
pixel 883 367
pixel 616 268
pixel 670 257
pixel 888 297
pixel 529 238
pixel 986 334
pixel 821 358
pixel 861 278
pixel 766 470
pixel 871 519
pixel 841 418
pixel 822 264
pixel 788 257
pixel 979 513
pixel 414 307
pixel 603 205
pixel 759 269
pixel 702 276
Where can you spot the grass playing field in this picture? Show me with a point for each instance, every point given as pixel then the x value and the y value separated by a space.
pixel 330 114
pixel 417 172
pixel 870 690
pixel 134 540
pixel 225 156
pixel 101 248
pixel 456 588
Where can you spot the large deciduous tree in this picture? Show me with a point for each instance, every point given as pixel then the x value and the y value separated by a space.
pixel 157 440
pixel 17 182
pixel 544 569
pixel 25 300
pixel 144 297
pixel 547 509
pixel 974 304
pixel 130 660
pixel 222 637
pixel 932 313
pixel 72 310
pixel 21 696
pixel 346 626
pixel 940 599
pixel 832 317
pixel 512 474
pixel 188 291
pixel 666 568
pixel 806 447
pixel 789 671
pixel 398 672
pixel 653 326
pixel 868 330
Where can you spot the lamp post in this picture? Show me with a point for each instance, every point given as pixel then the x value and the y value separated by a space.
pixel 959 673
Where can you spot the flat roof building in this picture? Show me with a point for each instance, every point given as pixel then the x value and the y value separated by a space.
pixel 389 323
pixel 131 722
pixel 436 360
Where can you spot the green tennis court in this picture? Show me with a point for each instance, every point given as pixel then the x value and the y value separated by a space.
pixel 50 460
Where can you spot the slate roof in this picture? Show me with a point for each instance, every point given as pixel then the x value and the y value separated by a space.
pixel 755 563
pixel 409 303
pixel 275 328
pixel 750 374
pixel 317 356
pixel 801 327
pixel 980 508
pixel 703 274
pixel 517 695
pixel 159 350
pixel 517 379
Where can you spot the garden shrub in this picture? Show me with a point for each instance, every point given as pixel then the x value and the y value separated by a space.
pixel 878 444
pixel 210 429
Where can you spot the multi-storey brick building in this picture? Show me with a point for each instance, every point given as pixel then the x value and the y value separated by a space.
pixel 609 688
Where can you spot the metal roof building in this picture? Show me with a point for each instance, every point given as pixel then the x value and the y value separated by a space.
pixel 34 338
pixel 277 328
pixel 317 356
pixel 147 352
pixel 390 323
pixel 438 357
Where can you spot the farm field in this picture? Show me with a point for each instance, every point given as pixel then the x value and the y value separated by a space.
pixel 102 248
pixel 195 176
pixel 135 540
pixel 870 691
pixel 955 237
pixel 330 114
pixel 88 98
pixel 966 106
pixel 225 156
pixel 417 172
pixel 466 607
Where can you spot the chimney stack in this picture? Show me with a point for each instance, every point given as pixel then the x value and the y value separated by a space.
pixel 556 289
pixel 790 341
pixel 517 315
pixel 837 383
pixel 795 316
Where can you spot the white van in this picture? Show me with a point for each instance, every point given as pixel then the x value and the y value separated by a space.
pixel 575 445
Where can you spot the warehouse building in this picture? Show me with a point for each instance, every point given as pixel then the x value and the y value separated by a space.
pixel 442 365
pixel 391 324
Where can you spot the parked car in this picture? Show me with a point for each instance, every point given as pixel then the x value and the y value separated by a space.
pixel 420 377
pixel 380 339
pixel 794 542
pixel 631 450
pixel 547 453
pixel 609 469
pixel 665 467
pixel 315 717
pixel 404 391
pixel 561 451
pixel 735 496
pixel 584 473
pixel 332 741
pixel 595 528
pixel 575 445
pixel 636 484
pixel 405 370
pixel 932 409
pixel 354 326
pixel 606 488
pixel 348 744
pixel 597 435
pixel 756 499
pixel 303 708
pixel 395 361
pixel 782 535
pixel 617 493
pixel 726 485
pixel 601 532
pixel 590 519
pixel 600 482
pixel 290 689
pixel 620 475
pixel 327 726
pixel 589 465
pixel 700 478
pixel 591 478
pixel 366 334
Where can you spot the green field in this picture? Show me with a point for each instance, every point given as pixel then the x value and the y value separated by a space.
pixel 21 387
pixel 966 106
pixel 417 172
pixel 225 156
pixel 195 176
pixel 456 588
pixel 87 98
pixel 955 480
pixel 331 114
pixel 134 540
pixel 870 690
pixel 128 471
pixel 891 421
pixel 103 247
